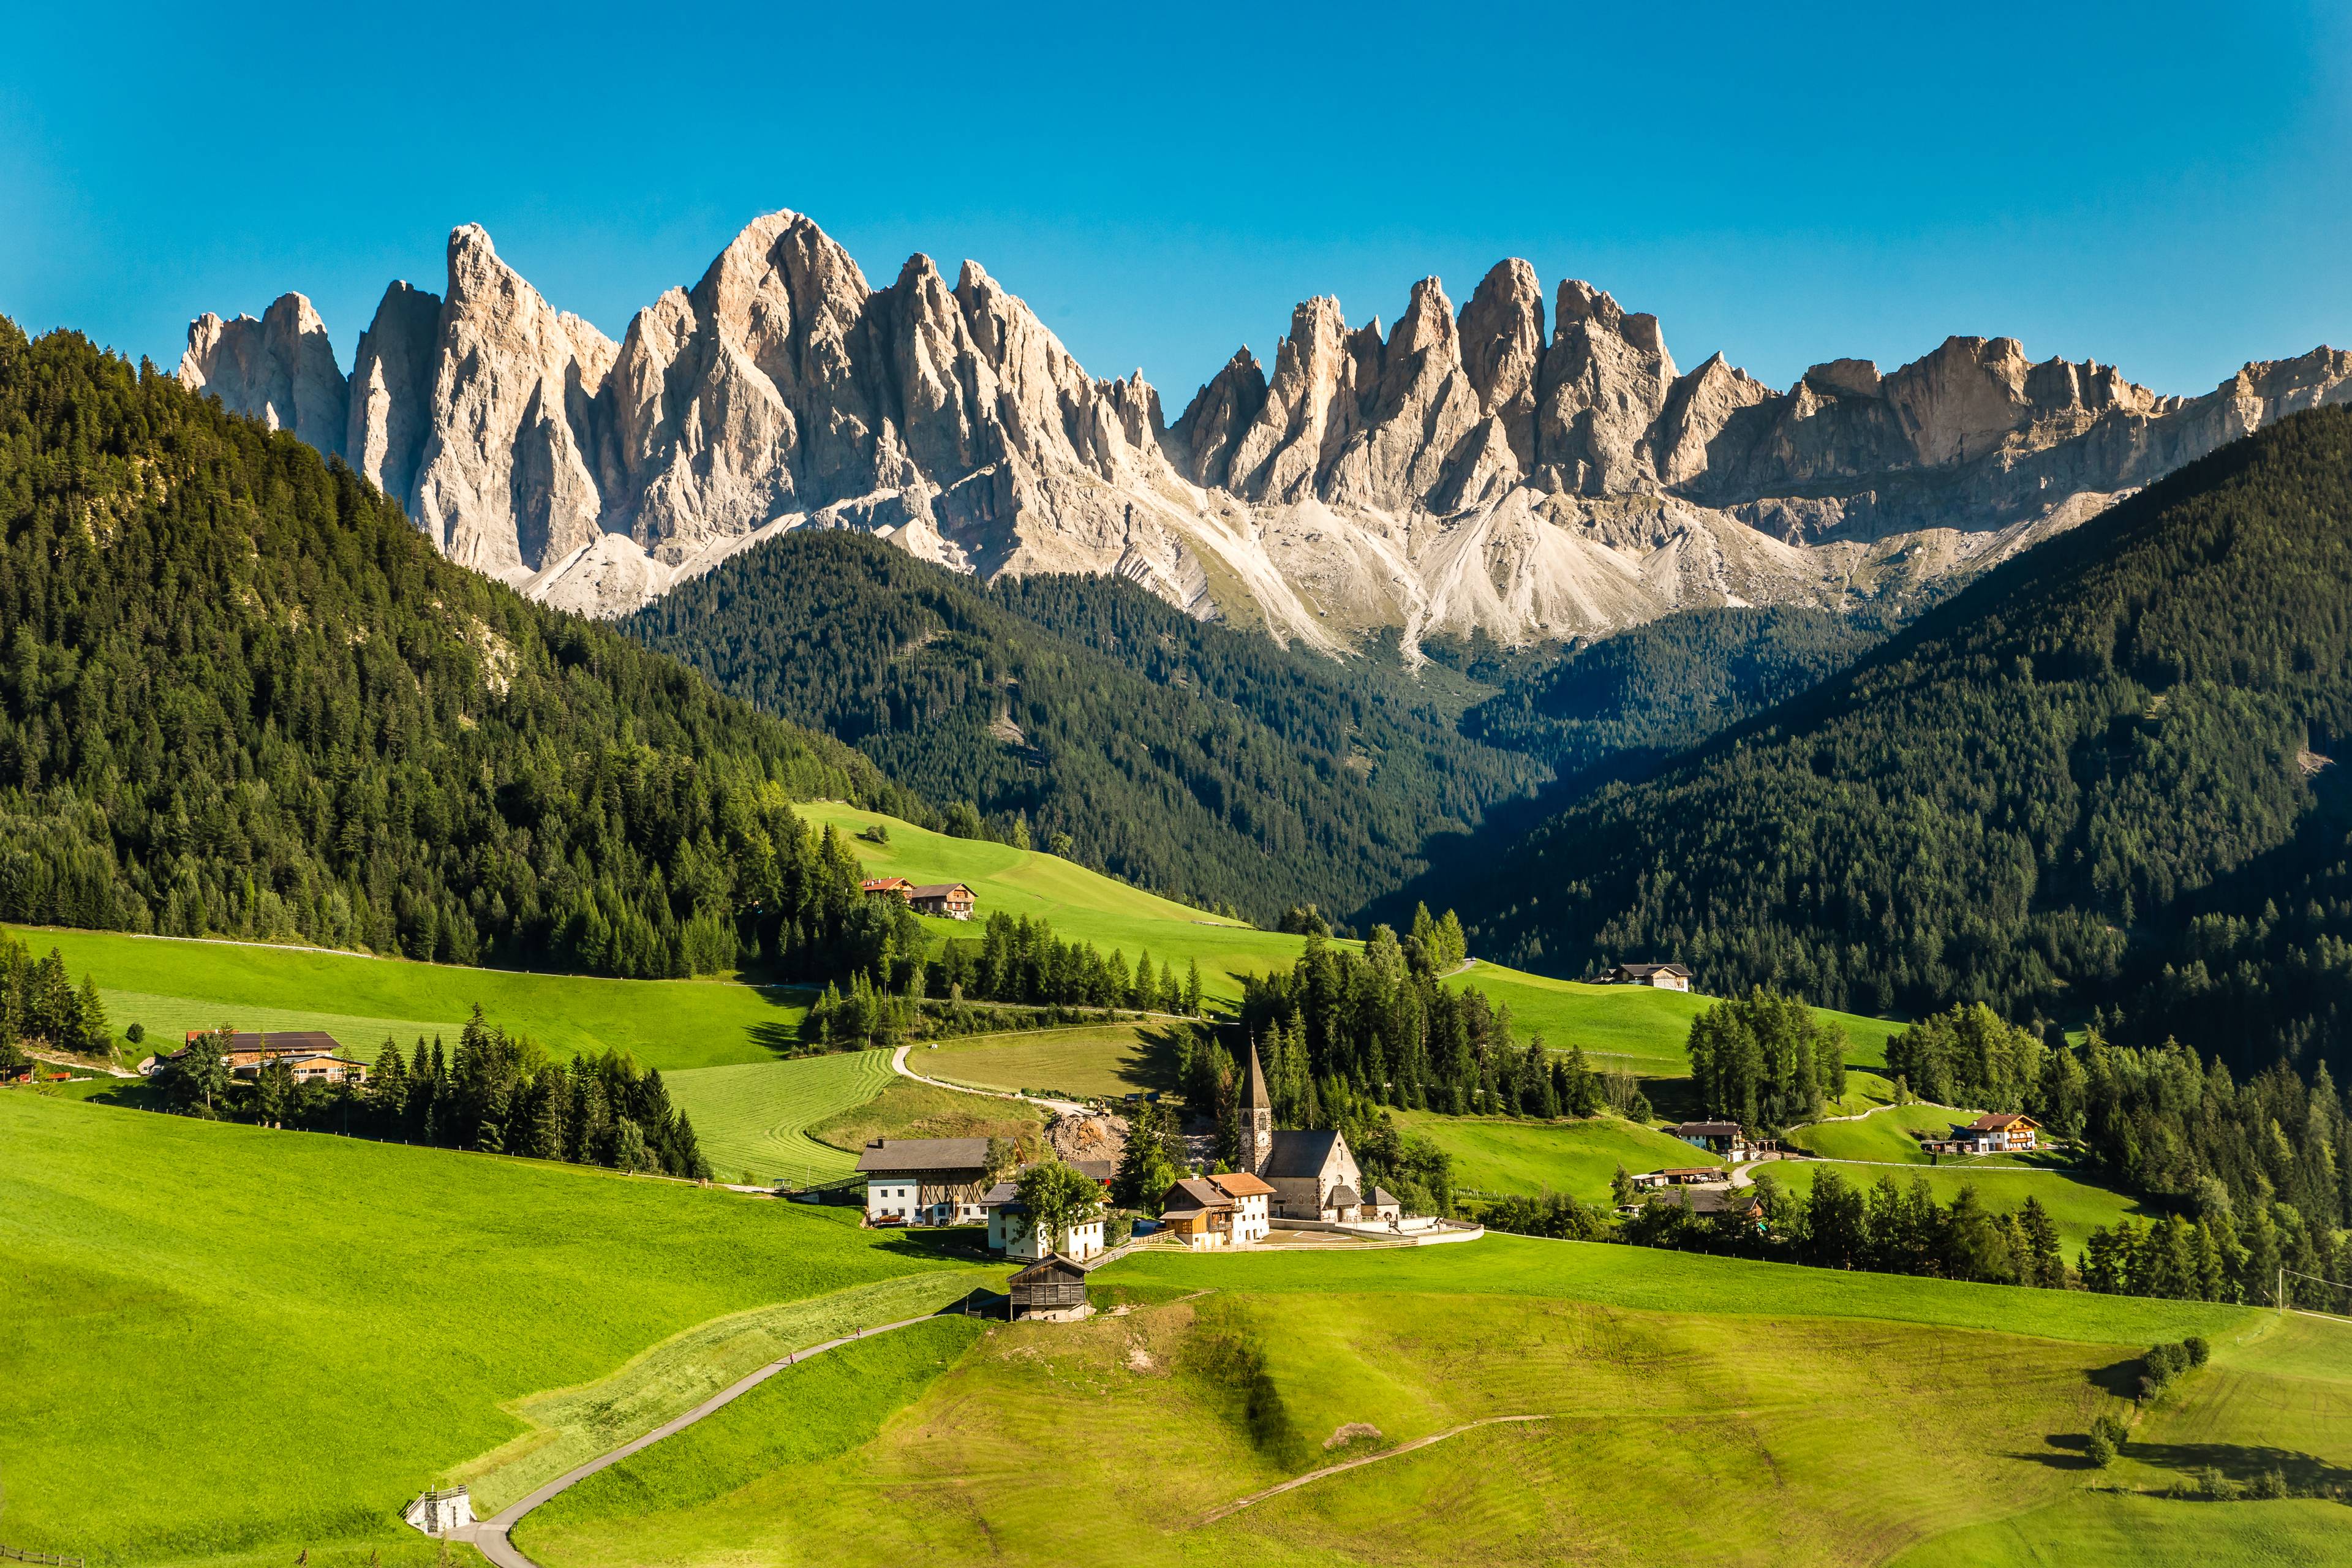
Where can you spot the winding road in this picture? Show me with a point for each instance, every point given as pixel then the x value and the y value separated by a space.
pixel 490 1537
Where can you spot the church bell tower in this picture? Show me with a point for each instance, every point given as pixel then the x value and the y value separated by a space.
pixel 1257 1118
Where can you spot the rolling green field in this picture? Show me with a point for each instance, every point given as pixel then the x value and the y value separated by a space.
pixel 1101 1060
pixel 1890 1136
pixel 1080 902
pixel 172 985
pixel 1632 1028
pixel 1681 1410
pixel 1579 1157
pixel 235 1344
pixel 906 1108
pixel 2077 1206
pixel 754 1117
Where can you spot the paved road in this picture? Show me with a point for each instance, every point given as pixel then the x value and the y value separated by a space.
pixel 491 1535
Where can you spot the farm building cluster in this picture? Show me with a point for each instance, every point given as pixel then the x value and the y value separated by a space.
pixel 312 1054
pixel 949 900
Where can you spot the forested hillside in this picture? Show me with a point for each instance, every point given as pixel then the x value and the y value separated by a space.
pixel 1191 757
pixel 240 694
pixel 2088 781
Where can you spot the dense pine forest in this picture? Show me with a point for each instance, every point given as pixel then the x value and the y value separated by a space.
pixel 1200 761
pixel 2098 778
pixel 241 695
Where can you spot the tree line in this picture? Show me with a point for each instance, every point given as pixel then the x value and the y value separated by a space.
pixel 241 695
pixel 497 1092
pixel 41 1008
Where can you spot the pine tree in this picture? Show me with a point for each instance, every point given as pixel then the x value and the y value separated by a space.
pixel 1192 989
pixel 93 1036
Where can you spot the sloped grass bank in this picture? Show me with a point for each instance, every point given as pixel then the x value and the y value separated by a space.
pixel 752 1118
pixel 174 984
pixel 223 1339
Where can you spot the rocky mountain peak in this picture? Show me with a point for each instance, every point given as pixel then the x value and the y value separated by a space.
pixel 1463 470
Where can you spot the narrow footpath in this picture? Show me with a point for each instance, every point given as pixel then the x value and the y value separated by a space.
pixel 490 1536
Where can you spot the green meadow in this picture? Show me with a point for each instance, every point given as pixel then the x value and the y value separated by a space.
pixel 1090 1062
pixel 1653 1408
pixel 174 984
pixel 1579 1157
pixel 1079 903
pixel 753 1118
pixel 1634 1029
pixel 231 1344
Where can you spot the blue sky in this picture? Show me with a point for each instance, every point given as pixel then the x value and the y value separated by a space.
pixel 2168 188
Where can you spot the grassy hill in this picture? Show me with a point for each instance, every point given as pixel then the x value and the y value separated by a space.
pixel 753 1118
pixel 1502 1155
pixel 1106 1060
pixel 1080 902
pixel 1687 1409
pixel 232 1343
pixel 172 985
pixel 1634 1029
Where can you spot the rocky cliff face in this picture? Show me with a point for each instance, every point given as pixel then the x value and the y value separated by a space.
pixel 1460 470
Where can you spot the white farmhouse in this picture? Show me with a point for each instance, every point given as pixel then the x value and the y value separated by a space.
pixel 1011 1233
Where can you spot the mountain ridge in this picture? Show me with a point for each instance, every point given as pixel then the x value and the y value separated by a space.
pixel 1464 471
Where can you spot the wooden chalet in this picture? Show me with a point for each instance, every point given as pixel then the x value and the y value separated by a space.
pixel 950 900
pixel 1725 1138
pixel 1679 1176
pixel 925 1181
pixel 1659 977
pixel 897 886
pixel 1741 1201
pixel 1227 1210
pixel 1052 1287
pixel 313 1055
pixel 1994 1132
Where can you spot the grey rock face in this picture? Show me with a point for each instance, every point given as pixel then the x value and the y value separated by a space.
pixel 280 369
pixel 1459 473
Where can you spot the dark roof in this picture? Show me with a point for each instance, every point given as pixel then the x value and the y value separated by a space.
pixel 1254 1094
pixel 1344 1196
pixel 1003 1192
pixel 938 890
pixel 892 1156
pixel 1045 1269
pixel 1710 1200
pixel 1688 1170
pixel 1381 1199
pixel 1300 1154
pixel 1705 1129
pixel 1638 969
pixel 314 1042
pixel 1191 1194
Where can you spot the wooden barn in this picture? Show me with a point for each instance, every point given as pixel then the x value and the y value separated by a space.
pixel 1053 1288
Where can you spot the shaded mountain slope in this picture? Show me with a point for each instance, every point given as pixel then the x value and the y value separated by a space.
pixel 240 694
pixel 2051 792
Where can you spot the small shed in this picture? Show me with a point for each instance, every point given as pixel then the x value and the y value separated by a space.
pixel 439 1512
pixel 1053 1288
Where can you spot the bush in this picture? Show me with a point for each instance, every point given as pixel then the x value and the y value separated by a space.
pixel 2268 1486
pixel 136 1034
pixel 2107 1436
pixel 2199 1351
pixel 1117 1230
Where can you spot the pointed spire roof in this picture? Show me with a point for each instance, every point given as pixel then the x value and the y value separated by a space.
pixel 1254 1094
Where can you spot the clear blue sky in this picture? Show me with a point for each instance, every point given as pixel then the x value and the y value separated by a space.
pixel 2165 187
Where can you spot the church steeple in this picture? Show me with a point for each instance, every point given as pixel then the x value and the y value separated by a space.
pixel 1257 1117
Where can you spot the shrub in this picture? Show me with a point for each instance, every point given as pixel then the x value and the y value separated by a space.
pixel 2199 1351
pixel 136 1034
pixel 2268 1486
pixel 2102 1451
pixel 2107 1436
